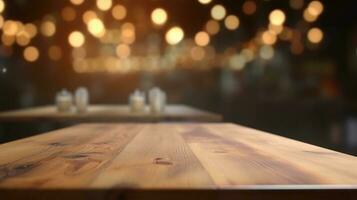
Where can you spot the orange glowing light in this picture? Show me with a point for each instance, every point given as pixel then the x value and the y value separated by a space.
pixel 22 38
pixel 10 27
pixel 31 29
pixel 76 39
pixel 315 35
pixel 77 2
pixel 202 38
pixel 212 27
pixel 48 28
pixel 2 20
pixel 123 51
pixel 269 38
pixel 8 40
pixel 31 54
pixel 315 8
pixel 89 15
pixel 231 22
pixel 119 12
pixel 249 7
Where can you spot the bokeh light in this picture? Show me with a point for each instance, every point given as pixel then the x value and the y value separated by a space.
pixel 31 54
pixel 77 2
pixel 31 29
pixel 174 35
pixel 104 5
pixel 8 40
pixel 96 27
pixel 2 21
pixel 119 12
pixel 315 35
pixel 218 12
pixel 22 38
pixel 212 27
pixel 159 16
pixel 277 17
pixel 128 33
pixel 10 28
pixel 2 6
pixel 48 28
pixel 315 8
pixel 231 22
pixel 308 16
pixel 123 51
pixel 76 39
pixel 269 38
pixel 275 29
pixel 202 38
pixel 249 7
pixel 89 15
pixel 205 1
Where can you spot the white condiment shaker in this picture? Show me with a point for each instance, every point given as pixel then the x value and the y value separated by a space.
pixel 137 101
pixel 157 100
pixel 64 101
pixel 82 99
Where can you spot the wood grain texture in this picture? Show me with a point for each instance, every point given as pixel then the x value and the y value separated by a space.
pixel 110 113
pixel 196 159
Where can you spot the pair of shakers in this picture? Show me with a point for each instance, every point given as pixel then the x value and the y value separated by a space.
pixel 156 98
pixel 64 100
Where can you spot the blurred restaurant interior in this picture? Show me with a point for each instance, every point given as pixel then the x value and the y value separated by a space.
pixel 288 67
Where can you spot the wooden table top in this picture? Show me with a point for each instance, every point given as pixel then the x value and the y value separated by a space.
pixel 173 157
pixel 110 113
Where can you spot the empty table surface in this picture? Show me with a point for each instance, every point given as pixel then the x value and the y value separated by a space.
pixel 136 161
pixel 110 113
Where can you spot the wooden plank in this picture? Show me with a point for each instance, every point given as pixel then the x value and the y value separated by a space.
pixel 70 158
pixel 157 158
pixel 236 156
pixel 110 113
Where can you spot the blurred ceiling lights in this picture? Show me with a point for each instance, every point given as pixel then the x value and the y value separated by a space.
pixel 117 47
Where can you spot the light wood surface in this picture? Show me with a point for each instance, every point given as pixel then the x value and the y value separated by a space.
pixel 197 159
pixel 110 113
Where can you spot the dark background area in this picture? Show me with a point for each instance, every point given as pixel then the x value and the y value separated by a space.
pixel 310 97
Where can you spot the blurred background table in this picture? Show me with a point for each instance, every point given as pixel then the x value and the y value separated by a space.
pixel 31 121
pixel 172 161
pixel 110 113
